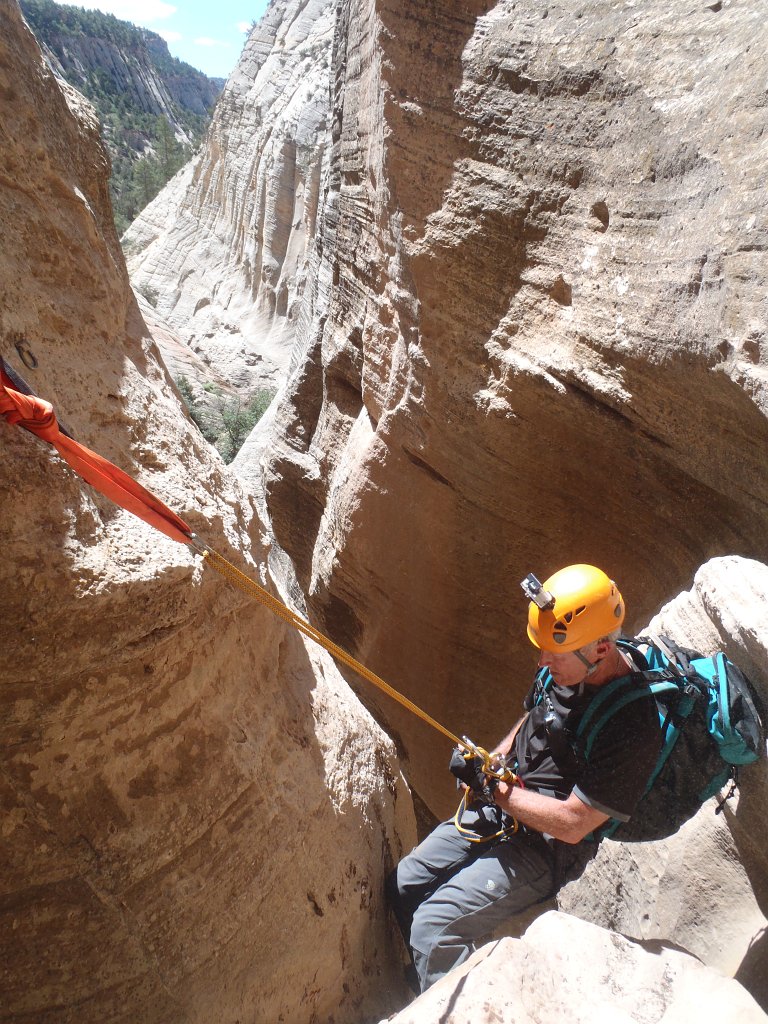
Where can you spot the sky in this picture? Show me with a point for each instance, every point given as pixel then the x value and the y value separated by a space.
pixel 208 34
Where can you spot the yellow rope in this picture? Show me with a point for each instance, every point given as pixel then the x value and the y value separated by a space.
pixel 255 590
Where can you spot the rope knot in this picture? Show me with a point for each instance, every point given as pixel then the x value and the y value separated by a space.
pixel 30 412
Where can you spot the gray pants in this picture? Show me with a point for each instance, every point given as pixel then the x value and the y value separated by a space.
pixel 448 891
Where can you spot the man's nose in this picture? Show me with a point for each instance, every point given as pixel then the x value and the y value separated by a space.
pixel 545 659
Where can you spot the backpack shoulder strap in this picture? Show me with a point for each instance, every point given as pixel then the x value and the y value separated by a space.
pixel 634 648
pixel 607 702
pixel 542 684
pixel 656 675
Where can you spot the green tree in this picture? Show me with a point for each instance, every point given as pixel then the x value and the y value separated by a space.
pixel 238 420
pixel 228 421
pixel 197 411
pixel 145 180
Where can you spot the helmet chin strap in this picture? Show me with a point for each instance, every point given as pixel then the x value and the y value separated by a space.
pixel 590 665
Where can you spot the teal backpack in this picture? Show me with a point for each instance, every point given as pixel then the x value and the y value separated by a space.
pixel 711 725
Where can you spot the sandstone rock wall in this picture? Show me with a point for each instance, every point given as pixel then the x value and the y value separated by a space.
pixel 196 812
pixel 222 251
pixel 536 333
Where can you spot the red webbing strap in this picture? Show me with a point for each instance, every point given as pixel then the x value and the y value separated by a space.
pixel 37 416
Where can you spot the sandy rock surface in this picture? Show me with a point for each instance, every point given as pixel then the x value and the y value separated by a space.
pixel 196 812
pixel 563 969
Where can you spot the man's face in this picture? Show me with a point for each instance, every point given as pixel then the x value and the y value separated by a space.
pixel 566 667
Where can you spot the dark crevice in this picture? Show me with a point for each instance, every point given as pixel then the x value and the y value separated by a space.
pixel 430 470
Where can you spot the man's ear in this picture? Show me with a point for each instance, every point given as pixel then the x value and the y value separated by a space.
pixel 602 649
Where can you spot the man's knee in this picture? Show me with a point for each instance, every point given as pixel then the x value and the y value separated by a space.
pixel 429 922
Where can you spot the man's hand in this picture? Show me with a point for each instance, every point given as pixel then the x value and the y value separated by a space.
pixel 468 768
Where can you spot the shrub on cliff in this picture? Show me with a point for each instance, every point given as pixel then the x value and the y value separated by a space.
pixel 227 420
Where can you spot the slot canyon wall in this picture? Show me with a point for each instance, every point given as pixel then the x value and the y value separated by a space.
pixel 533 331
pixel 506 262
pixel 196 812
pixel 536 334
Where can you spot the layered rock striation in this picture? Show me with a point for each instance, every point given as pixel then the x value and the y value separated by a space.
pixel 535 334
pixel 196 812
pixel 223 250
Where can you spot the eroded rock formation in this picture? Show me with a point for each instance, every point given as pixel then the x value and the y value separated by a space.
pixel 528 330
pixel 533 333
pixel 222 252
pixel 196 812
pixel 536 334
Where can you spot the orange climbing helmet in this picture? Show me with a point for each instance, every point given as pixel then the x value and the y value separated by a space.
pixel 575 606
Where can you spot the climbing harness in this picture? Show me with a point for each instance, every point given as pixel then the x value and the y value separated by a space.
pixel 473 836
pixel 20 406
pixel 481 781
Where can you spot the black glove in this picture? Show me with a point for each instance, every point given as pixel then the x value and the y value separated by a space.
pixel 468 768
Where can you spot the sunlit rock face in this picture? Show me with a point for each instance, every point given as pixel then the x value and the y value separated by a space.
pixel 197 814
pixel 535 334
pixel 563 969
pixel 221 253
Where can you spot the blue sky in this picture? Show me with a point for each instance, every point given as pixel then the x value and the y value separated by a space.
pixel 208 34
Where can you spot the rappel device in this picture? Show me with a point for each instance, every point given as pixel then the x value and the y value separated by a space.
pixel 19 405
pixel 478 766
pixel 472 765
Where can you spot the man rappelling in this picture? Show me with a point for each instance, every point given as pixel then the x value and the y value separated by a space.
pixel 613 729
pixel 529 821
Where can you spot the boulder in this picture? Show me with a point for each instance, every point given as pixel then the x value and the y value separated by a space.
pixel 566 970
